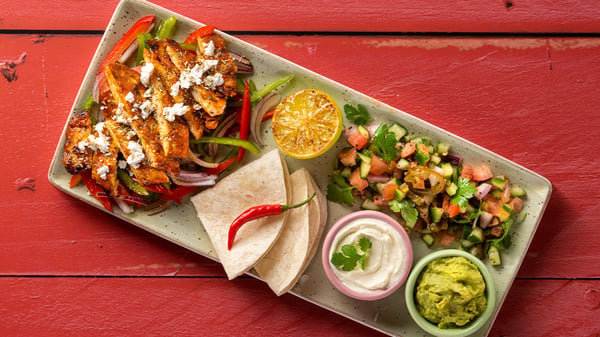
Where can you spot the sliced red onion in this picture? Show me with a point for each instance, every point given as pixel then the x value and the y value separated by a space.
pixel 158 206
pixel 244 66
pixel 483 190
pixel 372 128
pixel 372 178
pixel 131 199
pixel 220 131
pixel 190 178
pixel 484 219
pixel 196 159
pixel 123 206
pixel 268 102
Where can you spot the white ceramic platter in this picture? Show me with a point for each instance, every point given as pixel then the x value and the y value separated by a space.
pixel 180 225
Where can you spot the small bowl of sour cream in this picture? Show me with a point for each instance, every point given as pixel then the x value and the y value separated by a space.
pixel 367 255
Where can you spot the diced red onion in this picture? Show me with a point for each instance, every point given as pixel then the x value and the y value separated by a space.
pixel 483 190
pixel 371 178
pixel 244 66
pixel 452 159
pixel 196 159
pixel 123 206
pixel 372 128
pixel 484 219
pixel 268 102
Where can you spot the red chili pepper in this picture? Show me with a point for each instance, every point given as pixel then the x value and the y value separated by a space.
pixel 96 190
pixel 75 180
pixel 245 119
pixel 222 166
pixel 258 212
pixel 200 33
pixel 143 25
pixel 177 193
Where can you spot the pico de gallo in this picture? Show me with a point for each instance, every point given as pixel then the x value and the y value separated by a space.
pixel 430 189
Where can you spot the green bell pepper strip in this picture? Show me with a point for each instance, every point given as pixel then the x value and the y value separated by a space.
pixel 228 141
pixel 131 184
pixel 257 95
pixel 166 28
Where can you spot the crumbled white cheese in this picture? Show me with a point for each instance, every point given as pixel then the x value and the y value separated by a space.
pixel 148 93
pixel 118 116
pixel 175 89
pixel 103 171
pixel 99 127
pixel 146 72
pixel 212 82
pixel 178 109
pixel 101 142
pixel 147 109
pixel 122 164
pixel 195 75
pixel 137 154
pixel 131 134
pixel 82 145
pixel 129 97
pixel 209 48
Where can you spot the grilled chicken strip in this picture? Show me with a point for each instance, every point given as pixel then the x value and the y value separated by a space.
pixel 77 155
pixel 104 163
pixel 128 93
pixel 168 74
pixel 213 47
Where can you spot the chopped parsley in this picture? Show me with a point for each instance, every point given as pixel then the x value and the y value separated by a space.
pixel 349 257
pixel 358 115
pixel 385 143
pixel 465 192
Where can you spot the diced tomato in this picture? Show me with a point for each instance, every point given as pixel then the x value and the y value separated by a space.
pixel 482 172
pixel 407 150
pixel 467 171
pixel 356 180
pixel 445 239
pixel 516 204
pixel 358 140
pixel 389 190
pixel 75 180
pixel 200 33
pixel 453 210
pixel 348 157
pixel 378 165
pixel 378 200
pixel 505 196
pixel 496 231
pixel 491 205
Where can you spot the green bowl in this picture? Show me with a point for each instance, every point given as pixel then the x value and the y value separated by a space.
pixel 432 328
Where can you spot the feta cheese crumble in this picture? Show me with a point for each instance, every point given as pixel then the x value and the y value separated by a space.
pixel 103 171
pixel 146 72
pixel 137 154
pixel 178 109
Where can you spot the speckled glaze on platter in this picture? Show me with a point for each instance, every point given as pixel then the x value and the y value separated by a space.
pixel 180 225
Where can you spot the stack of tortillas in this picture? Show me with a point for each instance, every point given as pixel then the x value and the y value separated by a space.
pixel 278 247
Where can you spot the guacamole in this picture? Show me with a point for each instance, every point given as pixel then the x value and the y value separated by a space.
pixel 450 292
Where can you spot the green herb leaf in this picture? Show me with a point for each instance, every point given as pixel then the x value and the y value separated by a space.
pixel 465 192
pixel 505 241
pixel 406 207
pixel 358 115
pixel 342 195
pixel 385 143
pixel 349 256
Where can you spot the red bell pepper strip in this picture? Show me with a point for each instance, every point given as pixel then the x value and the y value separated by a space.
pixel 156 188
pixel 221 167
pixel 245 119
pixel 178 193
pixel 258 212
pixel 199 33
pixel 75 180
pixel 143 25
pixel 96 190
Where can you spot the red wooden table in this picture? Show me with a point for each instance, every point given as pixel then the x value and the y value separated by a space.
pixel 519 78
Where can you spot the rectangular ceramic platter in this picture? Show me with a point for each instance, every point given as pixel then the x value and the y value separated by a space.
pixel 180 225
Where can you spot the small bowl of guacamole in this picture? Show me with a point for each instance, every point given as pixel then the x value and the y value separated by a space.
pixel 450 293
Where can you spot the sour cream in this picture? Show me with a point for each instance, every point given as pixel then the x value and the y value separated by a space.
pixel 386 258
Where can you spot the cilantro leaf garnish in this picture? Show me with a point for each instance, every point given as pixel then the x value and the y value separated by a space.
pixel 385 143
pixel 407 208
pixel 349 256
pixel 464 192
pixel 340 194
pixel 358 115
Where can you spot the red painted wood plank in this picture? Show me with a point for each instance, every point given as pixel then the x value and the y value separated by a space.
pixel 217 307
pixel 538 16
pixel 531 100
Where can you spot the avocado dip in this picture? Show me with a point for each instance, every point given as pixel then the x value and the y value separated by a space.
pixel 451 292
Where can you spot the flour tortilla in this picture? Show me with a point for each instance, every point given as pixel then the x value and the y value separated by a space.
pixel 286 261
pixel 262 181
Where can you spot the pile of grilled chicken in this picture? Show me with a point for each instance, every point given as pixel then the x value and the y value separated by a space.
pixel 149 114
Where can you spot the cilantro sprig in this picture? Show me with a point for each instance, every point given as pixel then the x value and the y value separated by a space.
pixel 407 209
pixel 358 115
pixel 337 193
pixel 385 143
pixel 464 192
pixel 349 257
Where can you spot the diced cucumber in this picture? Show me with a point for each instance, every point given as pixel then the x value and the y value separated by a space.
pixel 442 148
pixel 451 189
pixel 466 244
pixel 403 164
pixel 346 172
pixel 498 183
pixel 436 213
pixel 399 194
pixel 421 158
pixel 517 191
pixel 494 256
pixel 364 131
pixel 477 251
pixel 398 130
pixel 428 239
pixel 504 213
pixel 365 163
pixel 447 170
pixel 476 235
pixel 369 204
pixel 436 159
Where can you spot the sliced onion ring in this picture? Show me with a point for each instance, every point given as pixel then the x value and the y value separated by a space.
pixel 196 159
pixel 268 102
pixel 158 206
pixel 220 131
pixel 190 178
